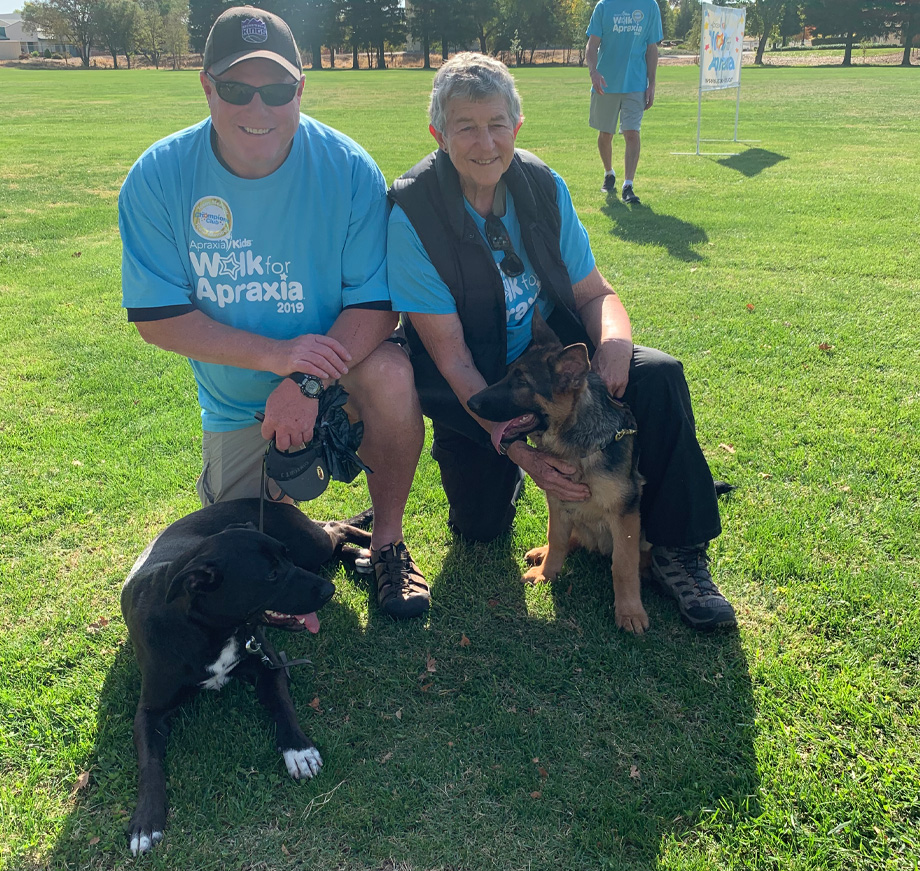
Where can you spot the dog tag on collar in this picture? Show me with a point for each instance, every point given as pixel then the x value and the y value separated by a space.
pixel 302 474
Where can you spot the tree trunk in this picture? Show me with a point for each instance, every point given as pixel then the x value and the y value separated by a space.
pixel 426 51
pixel 758 59
pixel 848 51
pixel 444 48
pixel 355 63
pixel 316 50
pixel 381 56
pixel 909 30
pixel 114 59
pixel 332 57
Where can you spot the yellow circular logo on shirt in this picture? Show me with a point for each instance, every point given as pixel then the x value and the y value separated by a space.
pixel 211 218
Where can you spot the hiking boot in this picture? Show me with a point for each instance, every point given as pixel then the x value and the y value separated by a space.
pixel 683 573
pixel 401 588
pixel 610 183
pixel 629 196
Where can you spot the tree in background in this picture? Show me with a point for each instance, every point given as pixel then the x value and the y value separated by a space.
pixel 899 16
pixel 151 30
pixel 764 18
pixel 201 15
pixel 682 20
pixel 176 32
pixel 117 23
pixel 69 21
pixel 845 18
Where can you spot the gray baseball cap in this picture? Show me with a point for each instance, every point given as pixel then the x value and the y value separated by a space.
pixel 244 32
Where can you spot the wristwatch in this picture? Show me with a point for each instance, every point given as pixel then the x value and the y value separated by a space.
pixel 310 386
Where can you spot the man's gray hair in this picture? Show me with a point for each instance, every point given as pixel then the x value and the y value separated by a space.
pixel 472 76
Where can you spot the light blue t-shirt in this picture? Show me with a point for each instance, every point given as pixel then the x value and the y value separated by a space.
pixel 279 256
pixel 416 286
pixel 626 28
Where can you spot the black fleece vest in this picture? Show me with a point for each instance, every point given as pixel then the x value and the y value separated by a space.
pixel 430 195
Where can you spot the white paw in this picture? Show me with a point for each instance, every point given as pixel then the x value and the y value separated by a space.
pixel 142 843
pixel 304 763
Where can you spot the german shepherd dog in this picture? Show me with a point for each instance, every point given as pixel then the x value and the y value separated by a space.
pixel 566 411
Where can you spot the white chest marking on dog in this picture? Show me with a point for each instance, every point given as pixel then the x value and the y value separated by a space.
pixel 303 764
pixel 222 666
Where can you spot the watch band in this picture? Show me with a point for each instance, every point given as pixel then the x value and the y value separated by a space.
pixel 310 386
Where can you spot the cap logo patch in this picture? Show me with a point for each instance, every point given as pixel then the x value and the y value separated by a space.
pixel 254 30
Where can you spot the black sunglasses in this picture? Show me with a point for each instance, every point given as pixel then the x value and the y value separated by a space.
pixel 240 94
pixel 499 240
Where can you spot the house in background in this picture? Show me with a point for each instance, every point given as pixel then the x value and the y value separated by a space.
pixel 15 40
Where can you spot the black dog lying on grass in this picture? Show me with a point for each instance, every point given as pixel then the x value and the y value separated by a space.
pixel 195 603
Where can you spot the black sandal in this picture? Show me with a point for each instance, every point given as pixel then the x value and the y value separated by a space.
pixel 401 588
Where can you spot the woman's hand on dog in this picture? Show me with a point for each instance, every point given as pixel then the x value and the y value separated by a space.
pixel 611 361
pixel 289 416
pixel 549 473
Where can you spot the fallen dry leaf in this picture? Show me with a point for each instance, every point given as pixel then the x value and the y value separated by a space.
pixel 825 347
pixel 536 794
pixel 765 475
pixel 464 641
pixel 398 714
pixel 386 758
pixel 634 773
pixel 725 447
pixel 76 254
pixel 543 773
pixel 93 841
pixel 425 687
pixel 81 783
pixel 493 602
pixel 750 307
pixel 431 665
pixel 315 704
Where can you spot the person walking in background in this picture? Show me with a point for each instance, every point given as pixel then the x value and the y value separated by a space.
pixel 622 57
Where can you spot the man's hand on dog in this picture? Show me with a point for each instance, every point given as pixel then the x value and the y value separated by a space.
pixel 548 473
pixel 289 416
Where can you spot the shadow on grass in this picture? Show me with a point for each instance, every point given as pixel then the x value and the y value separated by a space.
pixel 642 225
pixel 515 722
pixel 753 161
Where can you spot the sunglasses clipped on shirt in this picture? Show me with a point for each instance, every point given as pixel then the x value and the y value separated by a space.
pixel 499 240
pixel 240 94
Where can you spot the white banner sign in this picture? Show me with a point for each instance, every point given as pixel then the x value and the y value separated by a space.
pixel 720 47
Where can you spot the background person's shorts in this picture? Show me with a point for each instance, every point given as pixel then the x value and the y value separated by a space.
pixel 231 465
pixel 605 108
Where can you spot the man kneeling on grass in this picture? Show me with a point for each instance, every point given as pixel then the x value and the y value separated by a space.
pixel 255 245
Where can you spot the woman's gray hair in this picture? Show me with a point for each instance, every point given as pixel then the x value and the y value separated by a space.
pixel 472 76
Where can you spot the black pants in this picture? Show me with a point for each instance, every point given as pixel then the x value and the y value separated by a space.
pixel 678 502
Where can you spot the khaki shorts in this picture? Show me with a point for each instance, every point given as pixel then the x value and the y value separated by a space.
pixel 605 108
pixel 232 466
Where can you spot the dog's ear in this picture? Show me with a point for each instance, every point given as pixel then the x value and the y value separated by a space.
pixel 570 368
pixel 198 577
pixel 541 332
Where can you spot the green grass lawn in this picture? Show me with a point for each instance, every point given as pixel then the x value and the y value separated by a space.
pixel 515 728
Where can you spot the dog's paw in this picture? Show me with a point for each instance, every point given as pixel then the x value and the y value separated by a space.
pixel 634 621
pixel 536 556
pixel 144 841
pixel 536 575
pixel 303 764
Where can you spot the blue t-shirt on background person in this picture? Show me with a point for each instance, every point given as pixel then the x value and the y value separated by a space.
pixel 279 256
pixel 416 286
pixel 625 28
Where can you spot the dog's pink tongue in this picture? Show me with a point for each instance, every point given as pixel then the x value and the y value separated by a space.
pixel 310 621
pixel 499 431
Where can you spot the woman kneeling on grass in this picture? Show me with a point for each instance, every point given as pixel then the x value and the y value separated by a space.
pixel 479 234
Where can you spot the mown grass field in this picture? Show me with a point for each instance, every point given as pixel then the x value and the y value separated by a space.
pixel 515 728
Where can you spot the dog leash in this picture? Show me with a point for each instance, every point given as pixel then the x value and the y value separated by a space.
pixel 253 647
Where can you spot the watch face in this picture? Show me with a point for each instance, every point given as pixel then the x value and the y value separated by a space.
pixel 311 386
